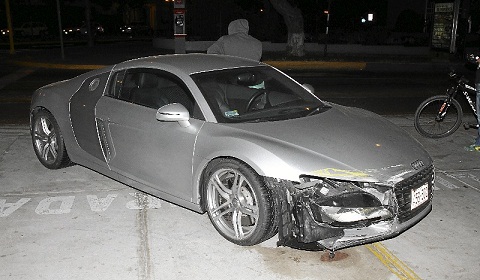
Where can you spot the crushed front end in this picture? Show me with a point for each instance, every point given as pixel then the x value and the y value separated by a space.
pixel 322 213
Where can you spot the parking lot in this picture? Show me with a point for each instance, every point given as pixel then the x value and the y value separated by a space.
pixel 77 224
pixel 74 223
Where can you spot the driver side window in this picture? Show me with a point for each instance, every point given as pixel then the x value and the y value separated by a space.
pixel 152 88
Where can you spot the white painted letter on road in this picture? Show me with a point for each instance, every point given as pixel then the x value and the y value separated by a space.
pixel 8 208
pixel 63 205
pixel 100 204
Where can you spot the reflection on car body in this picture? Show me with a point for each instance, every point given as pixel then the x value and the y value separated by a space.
pixel 240 140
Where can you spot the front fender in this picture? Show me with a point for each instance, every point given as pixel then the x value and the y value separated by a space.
pixel 269 157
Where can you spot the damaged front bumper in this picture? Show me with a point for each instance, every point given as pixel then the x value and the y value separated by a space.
pixel 321 213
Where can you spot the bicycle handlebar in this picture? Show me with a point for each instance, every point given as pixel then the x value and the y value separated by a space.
pixel 457 78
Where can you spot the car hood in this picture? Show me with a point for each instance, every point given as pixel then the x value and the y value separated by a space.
pixel 342 143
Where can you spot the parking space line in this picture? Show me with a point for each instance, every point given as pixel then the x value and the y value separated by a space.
pixel 445 182
pixel 459 178
pixel 453 178
pixel 476 179
pixel 394 264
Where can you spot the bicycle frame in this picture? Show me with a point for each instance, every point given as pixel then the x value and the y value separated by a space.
pixel 460 84
pixel 441 115
pixel 467 96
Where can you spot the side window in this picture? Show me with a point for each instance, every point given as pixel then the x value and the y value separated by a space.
pixel 116 85
pixel 152 88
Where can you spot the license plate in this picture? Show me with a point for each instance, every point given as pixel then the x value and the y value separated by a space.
pixel 419 196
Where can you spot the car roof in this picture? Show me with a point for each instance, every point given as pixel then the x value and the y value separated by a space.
pixel 190 63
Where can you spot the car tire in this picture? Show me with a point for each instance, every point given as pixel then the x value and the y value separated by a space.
pixel 239 203
pixel 48 141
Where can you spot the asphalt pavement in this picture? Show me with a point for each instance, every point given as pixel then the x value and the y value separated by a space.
pixel 74 223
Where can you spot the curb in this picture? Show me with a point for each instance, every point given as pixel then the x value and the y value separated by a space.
pixel 19 99
pixel 285 65
pixel 59 65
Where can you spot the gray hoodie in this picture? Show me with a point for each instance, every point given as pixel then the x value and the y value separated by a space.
pixel 237 42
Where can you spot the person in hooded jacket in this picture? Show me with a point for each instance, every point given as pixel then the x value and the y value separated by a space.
pixel 238 42
pixel 475 58
pixel 476 146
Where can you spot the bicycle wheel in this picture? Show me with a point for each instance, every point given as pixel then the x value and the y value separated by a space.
pixel 428 121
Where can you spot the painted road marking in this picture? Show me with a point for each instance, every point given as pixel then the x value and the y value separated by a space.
pixel 459 178
pixel 57 205
pixel 59 65
pixel 467 179
pixel 6 209
pixel 394 264
pixel 64 204
pixel 64 207
pixel 100 204
pixel 446 183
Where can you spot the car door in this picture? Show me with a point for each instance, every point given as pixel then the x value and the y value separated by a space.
pixel 137 145
pixel 82 115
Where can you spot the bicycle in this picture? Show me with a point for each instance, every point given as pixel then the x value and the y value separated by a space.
pixel 441 115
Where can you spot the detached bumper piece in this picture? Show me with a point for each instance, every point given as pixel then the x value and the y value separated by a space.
pixel 324 214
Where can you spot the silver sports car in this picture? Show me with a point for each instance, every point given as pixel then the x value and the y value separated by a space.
pixel 242 141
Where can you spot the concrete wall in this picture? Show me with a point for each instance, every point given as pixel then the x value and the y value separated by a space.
pixel 201 46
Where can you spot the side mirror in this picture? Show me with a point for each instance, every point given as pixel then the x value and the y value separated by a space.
pixel 174 112
pixel 309 87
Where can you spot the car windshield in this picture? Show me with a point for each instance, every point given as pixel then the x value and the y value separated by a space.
pixel 255 94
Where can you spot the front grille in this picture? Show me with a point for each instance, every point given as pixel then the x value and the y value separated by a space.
pixel 403 193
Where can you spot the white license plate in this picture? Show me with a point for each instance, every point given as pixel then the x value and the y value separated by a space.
pixel 419 196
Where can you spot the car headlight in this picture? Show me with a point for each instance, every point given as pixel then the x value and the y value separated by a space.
pixel 344 203
pixel 346 215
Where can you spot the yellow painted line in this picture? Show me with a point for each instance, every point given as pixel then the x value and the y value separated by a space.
pixel 308 65
pixel 394 264
pixel 15 99
pixel 293 65
pixel 59 65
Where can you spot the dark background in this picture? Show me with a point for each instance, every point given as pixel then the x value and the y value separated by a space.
pixel 395 22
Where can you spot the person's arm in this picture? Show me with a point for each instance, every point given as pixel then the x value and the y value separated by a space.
pixel 217 47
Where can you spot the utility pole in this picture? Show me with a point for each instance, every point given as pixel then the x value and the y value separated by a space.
pixel 88 25
pixel 10 28
pixel 60 29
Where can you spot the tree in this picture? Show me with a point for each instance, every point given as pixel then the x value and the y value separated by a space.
pixel 294 22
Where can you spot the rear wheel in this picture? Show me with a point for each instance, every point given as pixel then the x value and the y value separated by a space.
pixel 238 202
pixel 435 118
pixel 48 141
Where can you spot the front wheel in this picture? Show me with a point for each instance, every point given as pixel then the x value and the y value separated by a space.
pixel 238 202
pixel 436 118
pixel 48 140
